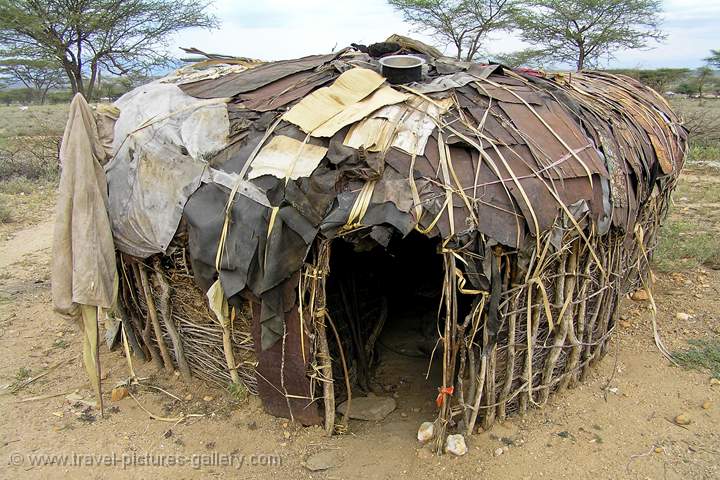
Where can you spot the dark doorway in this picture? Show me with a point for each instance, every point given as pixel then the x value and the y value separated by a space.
pixel 384 303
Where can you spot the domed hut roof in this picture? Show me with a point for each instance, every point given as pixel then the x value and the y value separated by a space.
pixel 519 174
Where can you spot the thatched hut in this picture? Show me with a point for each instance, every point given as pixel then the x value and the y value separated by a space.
pixel 272 220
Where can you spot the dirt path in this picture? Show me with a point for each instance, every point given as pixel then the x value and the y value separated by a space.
pixel 618 424
pixel 24 242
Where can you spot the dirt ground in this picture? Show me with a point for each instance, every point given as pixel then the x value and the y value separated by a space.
pixel 618 424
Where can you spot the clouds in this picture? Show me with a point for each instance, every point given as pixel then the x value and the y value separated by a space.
pixel 693 28
pixel 277 29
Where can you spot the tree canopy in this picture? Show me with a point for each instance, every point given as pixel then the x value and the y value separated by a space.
pixel 38 75
pixel 581 32
pixel 714 58
pixel 463 24
pixel 660 79
pixel 87 37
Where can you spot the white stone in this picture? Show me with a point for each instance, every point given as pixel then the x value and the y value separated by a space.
pixel 682 316
pixel 426 431
pixel 455 444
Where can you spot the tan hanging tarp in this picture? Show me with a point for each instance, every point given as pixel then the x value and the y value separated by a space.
pixel 83 260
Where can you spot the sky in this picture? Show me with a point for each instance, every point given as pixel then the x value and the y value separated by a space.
pixel 280 29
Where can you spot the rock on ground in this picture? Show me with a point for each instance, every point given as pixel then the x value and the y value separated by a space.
pixel 455 444
pixel 322 460
pixel 683 419
pixel 426 431
pixel 369 408
pixel 640 295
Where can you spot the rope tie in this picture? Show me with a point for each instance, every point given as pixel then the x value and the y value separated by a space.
pixel 359 208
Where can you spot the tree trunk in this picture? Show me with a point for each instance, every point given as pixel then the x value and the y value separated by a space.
pixel 77 83
pixel 459 45
pixel 79 80
pixel 93 80
pixel 70 71
pixel 581 57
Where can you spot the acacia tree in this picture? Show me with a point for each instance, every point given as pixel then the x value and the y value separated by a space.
pixel 580 32
pixel 714 58
pixel 523 58
pixel 659 79
pixel 86 37
pixel 38 75
pixel 464 24
pixel 702 75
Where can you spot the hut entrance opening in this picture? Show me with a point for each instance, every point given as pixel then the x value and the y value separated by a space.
pixel 384 303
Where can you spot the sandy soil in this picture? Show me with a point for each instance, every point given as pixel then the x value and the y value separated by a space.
pixel 616 425
pixel 37 238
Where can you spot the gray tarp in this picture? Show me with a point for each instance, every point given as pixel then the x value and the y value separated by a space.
pixel 255 78
pixel 162 139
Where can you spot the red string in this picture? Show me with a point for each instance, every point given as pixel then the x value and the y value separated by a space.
pixel 531 72
pixel 441 396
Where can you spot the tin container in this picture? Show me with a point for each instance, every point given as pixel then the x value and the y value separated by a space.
pixel 402 68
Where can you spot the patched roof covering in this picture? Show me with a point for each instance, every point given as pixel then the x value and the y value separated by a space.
pixel 323 146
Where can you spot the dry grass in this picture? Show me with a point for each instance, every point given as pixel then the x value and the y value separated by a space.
pixel 690 236
pixel 29 141
pixel 37 120
pixel 684 245
pixel 29 169
pixel 5 214
pixel 19 209
pixel 18 186
pixel 703 122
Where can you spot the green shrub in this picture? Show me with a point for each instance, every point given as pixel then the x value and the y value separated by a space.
pixel 703 152
pixel 684 245
pixel 238 391
pixel 702 354
pixel 17 185
pixel 5 214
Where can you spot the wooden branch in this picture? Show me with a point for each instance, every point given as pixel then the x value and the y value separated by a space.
pixel 165 313
pixel 145 332
pixel 152 313
pixel 510 358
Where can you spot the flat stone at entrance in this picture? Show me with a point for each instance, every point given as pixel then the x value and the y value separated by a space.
pixel 369 408
pixel 323 460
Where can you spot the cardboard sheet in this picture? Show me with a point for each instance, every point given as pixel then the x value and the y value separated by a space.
pixel 406 127
pixel 285 157
pixel 325 103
